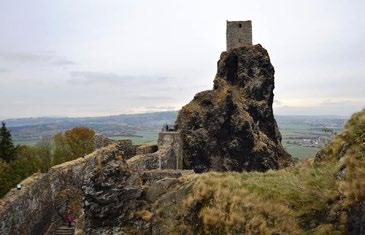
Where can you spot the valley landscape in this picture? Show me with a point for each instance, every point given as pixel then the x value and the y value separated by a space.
pixel 137 136
pixel 303 136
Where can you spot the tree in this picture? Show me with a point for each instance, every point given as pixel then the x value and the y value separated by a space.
pixel 6 180
pixel 7 148
pixel 74 143
pixel 25 164
pixel 62 152
pixel 44 152
pixel 80 140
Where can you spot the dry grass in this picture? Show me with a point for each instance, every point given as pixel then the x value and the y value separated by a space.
pixel 229 209
pixel 349 149
pixel 310 198
pixel 351 139
pixel 275 202
pixel 31 179
pixel 146 215
pixel 353 186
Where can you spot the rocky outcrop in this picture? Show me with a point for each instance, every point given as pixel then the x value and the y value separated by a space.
pixel 108 195
pixel 112 195
pixel 232 127
pixel 356 219
pixel 120 200
pixel 126 146
pixel 347 150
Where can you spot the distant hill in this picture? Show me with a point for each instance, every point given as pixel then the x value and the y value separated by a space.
pixel 302 135
pixel 25 129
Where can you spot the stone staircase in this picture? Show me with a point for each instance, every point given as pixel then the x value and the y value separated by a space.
pixel 64 230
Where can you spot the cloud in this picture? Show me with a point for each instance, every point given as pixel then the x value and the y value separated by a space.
pixel 87 77
pixel 146 109
pixel 152 98
pixel 42 58
pixel 90 77
pixel 341 101
pixel 319 106
pixel 63 62
pixel 3 70
pixel 161 108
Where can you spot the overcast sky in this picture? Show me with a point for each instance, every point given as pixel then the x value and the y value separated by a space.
pixel 88 57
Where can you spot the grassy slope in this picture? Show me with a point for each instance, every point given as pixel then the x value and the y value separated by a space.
pixel 309 198
pixel 288 201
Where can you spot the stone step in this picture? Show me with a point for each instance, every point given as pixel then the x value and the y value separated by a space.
pixel 64 233
pixel 64 230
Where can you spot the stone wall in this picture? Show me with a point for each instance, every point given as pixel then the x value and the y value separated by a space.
pixel 172 140
pixel 168 155
pixel 146 148
pixel 101 140
pixel 127 148
pixel 31 210
pixel 239 33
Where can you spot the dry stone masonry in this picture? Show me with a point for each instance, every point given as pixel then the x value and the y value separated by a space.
pixel 239 34
pixel 168 155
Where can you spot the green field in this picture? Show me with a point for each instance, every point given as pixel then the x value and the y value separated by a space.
pixel 301 152
pixel 26 142
pixel 141 137
pixel 150 137
pixel 302 136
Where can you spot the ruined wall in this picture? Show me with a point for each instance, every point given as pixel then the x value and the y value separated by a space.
pixel 172 139
pixel 31 210
pixel 127 148
pixel 101 140
pixel 168 156
pixel 146 148
pixel 239 33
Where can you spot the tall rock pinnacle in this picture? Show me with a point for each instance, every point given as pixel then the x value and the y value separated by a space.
pixel 232 127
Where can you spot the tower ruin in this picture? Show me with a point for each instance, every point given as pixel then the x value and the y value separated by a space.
pixel 239 33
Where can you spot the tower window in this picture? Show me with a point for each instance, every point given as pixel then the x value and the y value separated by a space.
pixel 239 25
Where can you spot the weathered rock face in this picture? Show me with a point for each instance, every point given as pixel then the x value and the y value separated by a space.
pixel 232 127
pixel 120 200
pixel 112 195
pixel 34 208
pixel 121 195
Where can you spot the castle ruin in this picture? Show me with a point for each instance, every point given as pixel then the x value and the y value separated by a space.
pixel 239 33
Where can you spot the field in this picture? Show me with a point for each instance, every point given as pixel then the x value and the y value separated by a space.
pixel 302 136
pixel 301 152
pixel 141 137
pixel 26 142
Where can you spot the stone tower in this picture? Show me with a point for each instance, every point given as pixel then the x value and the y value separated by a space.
pixel 239 33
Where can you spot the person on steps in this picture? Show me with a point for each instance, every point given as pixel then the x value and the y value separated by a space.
pixel 69 217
